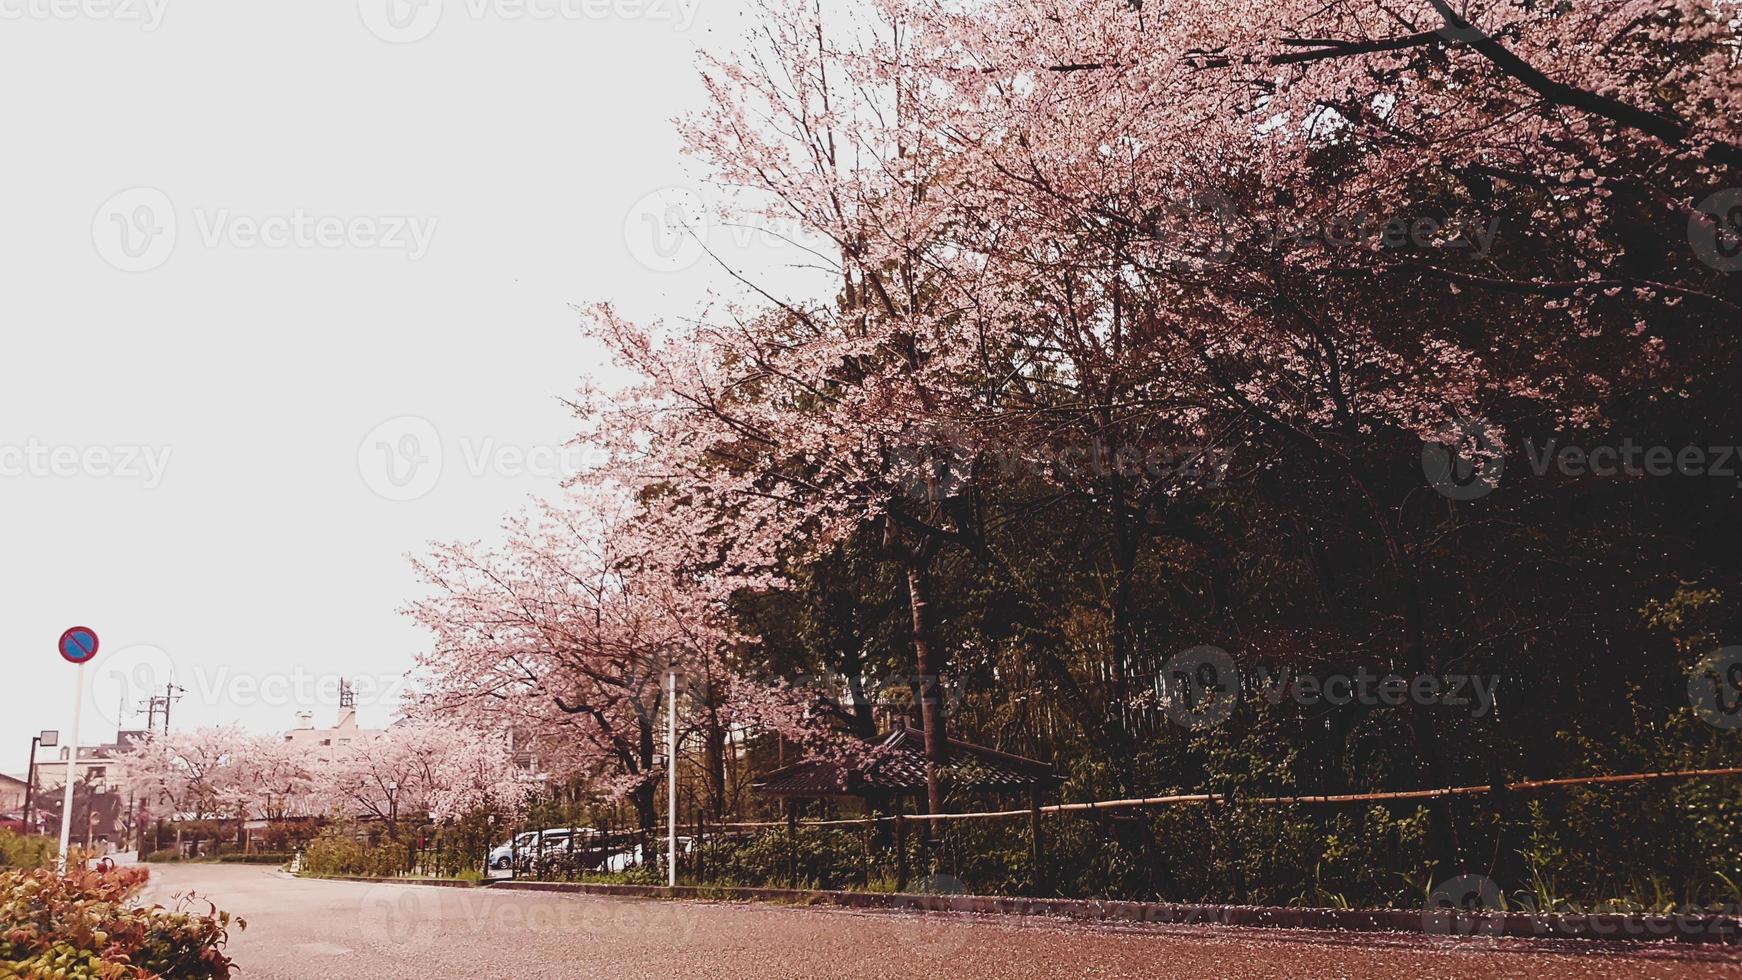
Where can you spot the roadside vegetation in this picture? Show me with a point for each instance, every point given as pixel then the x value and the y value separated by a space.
pixel 90 925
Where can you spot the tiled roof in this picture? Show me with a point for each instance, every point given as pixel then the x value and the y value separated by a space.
pixel 897 764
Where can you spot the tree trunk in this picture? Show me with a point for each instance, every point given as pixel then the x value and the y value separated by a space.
pixel 932 710
pixel 646 816
pixel 864 720
pixel 716 752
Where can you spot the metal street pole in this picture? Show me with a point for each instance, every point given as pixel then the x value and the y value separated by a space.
pixel 671 785
pixel 30 781
pixel 66 806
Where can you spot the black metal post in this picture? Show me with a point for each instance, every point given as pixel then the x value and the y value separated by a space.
pixel 865 844
pixel 792 842
pixel 900 847
pixel 1036 854
pixel 30 783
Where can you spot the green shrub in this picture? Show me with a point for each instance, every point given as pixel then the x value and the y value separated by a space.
pixel 336 852
pixel 639 874
pixel 87 924
pixel 827 858
pixel 19 851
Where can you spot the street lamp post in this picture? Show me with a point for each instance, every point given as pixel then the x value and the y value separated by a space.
pixel 671 785
pixel 48 739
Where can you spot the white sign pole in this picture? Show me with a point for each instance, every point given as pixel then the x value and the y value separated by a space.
pixel 66 805
pixel 670 784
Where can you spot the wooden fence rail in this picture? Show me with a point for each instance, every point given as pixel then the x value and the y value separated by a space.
pixel 1232 799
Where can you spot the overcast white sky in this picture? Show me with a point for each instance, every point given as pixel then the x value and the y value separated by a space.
pixel 264 386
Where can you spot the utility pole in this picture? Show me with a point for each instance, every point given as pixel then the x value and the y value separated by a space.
pixel 66 806
pixel 671 784
pixel 161 702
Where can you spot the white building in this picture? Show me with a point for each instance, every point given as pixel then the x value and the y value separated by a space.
pixel 98 766
pixel 344 732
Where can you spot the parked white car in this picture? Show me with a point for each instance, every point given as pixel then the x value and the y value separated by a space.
pixel 629 857
pixel 530 844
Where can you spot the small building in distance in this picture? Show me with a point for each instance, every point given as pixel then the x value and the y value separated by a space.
pixel 98 766
pixel 345 732
pixel 100 795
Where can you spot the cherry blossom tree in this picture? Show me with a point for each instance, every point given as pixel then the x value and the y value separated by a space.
pixel 279 778
pixel 199 773
pixel 420 769
pixel 564 635
pixel 1114 228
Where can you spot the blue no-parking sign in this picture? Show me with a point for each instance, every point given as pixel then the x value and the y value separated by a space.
pixel 78 644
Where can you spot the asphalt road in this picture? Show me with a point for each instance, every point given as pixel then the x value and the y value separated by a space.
pixel 315 929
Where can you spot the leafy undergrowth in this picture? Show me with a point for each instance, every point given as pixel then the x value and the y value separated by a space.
pixel 88 924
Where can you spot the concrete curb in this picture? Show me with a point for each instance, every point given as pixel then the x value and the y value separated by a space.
pixel 1702 929
pixel 438 882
